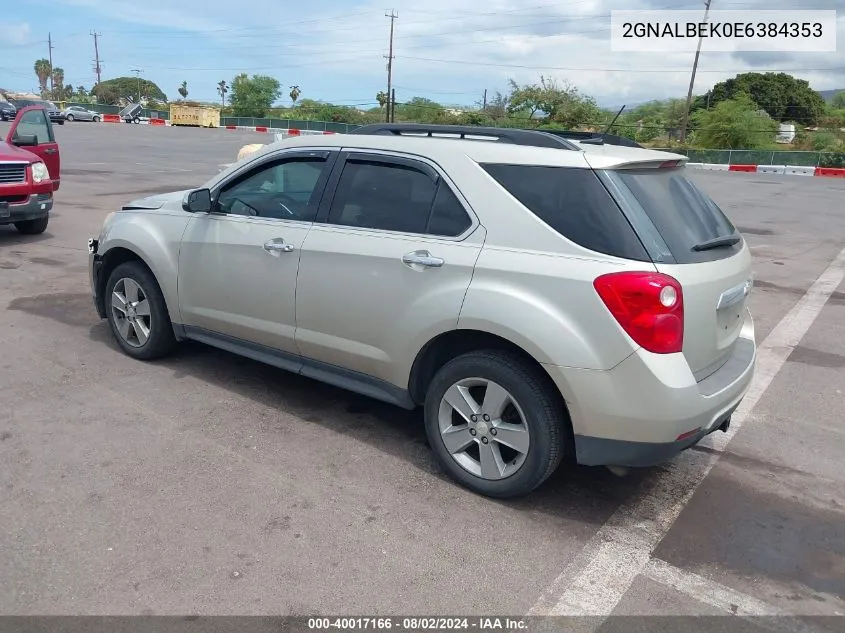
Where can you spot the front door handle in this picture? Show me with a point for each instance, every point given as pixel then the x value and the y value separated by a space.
pixel 422 258
pixel 277 246
pixel 50 150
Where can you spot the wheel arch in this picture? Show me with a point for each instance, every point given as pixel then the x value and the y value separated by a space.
pixel 113 258
pixel 448 345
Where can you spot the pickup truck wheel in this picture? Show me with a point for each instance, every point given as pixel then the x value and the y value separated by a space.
pixel 495 423
pixel 137 313
pixel 32 227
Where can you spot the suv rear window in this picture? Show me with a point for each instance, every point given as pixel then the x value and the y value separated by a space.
pixel 575 203
pixel 683 215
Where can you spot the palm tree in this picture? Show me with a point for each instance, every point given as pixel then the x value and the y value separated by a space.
pixel 58 83
pixel 222 89
pixel 183 89
pixel 42 71
pixel 294 94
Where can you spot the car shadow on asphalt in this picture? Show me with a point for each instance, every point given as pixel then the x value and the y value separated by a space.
pixel 9 236
pixel 573 492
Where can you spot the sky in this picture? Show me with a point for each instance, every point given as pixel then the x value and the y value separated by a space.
pixel 335 50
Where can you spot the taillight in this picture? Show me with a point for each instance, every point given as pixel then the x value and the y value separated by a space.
pixel 648 306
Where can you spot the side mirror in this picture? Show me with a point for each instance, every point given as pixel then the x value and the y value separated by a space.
pixel 197 201
pixel 28 140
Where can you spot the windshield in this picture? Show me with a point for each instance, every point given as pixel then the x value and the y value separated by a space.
pixel 683 215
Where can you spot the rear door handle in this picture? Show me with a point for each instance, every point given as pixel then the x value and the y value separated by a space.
pixel 277 246
pixel 422 258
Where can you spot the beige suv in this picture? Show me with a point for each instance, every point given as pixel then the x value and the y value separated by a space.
pixel 543 299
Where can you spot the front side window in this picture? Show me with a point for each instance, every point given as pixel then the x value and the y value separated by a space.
pixel 34 123
pixel 283 190
pixel 393 196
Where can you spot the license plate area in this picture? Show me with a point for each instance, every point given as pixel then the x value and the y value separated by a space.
pixel 5 210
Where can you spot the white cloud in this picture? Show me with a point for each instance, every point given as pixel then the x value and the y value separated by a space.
pixel 14 34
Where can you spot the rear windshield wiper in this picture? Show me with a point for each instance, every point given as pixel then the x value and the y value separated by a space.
pixel 717 242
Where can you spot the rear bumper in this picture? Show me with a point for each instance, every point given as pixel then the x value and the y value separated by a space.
pixel 34 207
pixel 650 407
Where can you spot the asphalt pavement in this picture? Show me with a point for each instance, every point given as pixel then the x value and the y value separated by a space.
pixel 210 484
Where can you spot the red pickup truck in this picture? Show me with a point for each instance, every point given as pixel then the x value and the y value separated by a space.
pixel 29 171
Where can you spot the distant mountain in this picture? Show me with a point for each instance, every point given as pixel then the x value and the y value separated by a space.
pixel 827 95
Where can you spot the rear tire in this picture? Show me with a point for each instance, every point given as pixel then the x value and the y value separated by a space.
pixel 137 313
pixel 70 117
pixel 32 227
pixel 136 120
pixel 518 445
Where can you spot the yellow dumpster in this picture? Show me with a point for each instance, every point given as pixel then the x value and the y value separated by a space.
pixel 197 116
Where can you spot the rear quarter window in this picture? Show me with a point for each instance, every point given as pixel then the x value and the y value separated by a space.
pixel 680 211
pixel 575 203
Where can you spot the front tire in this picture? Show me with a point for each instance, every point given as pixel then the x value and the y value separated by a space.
pixel 32 227
pixel 136 312
pixel 96 119
pixel 496 423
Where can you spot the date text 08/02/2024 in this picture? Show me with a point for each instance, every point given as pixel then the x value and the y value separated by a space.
pixel 417 623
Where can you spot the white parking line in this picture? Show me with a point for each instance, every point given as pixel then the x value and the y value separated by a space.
pixel 724 598
pixel 597 579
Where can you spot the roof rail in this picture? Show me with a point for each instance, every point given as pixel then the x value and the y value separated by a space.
pixel 534 138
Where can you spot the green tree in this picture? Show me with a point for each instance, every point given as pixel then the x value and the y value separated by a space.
pixel 58 83
pixel 381 97
pixel 120 89
pixel 559 103
pixel 782 96
pixel 734 124
pixel 81 92
pixel 838 100
pixel 42 71
pixel 183 90
pixel 222 89
pixel 421 110
pixel 253 96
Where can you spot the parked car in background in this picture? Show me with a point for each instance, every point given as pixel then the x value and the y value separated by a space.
pixel 78 113
pixel 541 298
pixel 7 111
pixel 53 111
pixel 30 167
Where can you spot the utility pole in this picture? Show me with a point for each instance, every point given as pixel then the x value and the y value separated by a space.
pixel 138 72
pixel 96 56
pixel 50 55
pixel 392 15
pixel 484 101
pixel 692 77
pixel 393 106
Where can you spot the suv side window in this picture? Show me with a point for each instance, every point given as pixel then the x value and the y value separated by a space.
pixel 35 123
pixel 395 196
pixel 287 189
pixel 573 202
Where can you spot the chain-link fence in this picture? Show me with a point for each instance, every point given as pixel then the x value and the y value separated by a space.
pixel 763 157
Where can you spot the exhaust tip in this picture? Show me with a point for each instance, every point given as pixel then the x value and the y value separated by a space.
pixel 619 471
